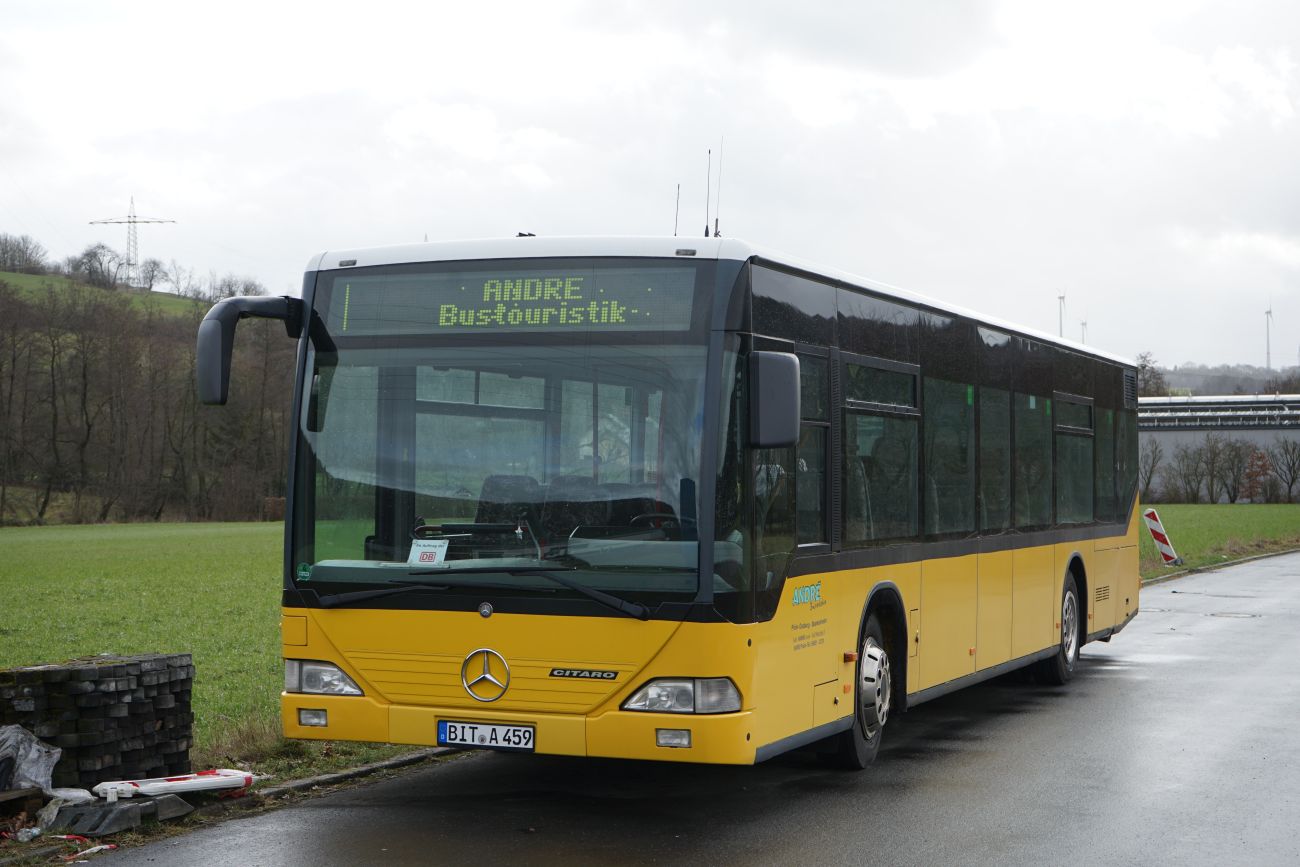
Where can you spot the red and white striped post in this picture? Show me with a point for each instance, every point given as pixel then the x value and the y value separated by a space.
pixel 1161 538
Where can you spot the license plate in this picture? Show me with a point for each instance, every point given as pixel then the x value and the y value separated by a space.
pixel 486 736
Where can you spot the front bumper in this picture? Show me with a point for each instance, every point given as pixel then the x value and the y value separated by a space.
pixel 715 738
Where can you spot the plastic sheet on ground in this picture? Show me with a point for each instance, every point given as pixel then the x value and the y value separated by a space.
pixel 33 759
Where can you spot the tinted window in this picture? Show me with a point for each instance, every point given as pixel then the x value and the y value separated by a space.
pixel 875 385
pixel 1126 454
pixel 1073 415
pixel 774 515
pixel 880 501
pixel 1104 485
pixel 995 459
pixel 814 389
pixel 1072 373
pixel 1033 367
pixel 874 326
pixel 947 347
pixel 1073 479
pixel 811 494
pixel 997 358
pixel 793 307
pixel 810 464
pixel 1033 460
pixel 949 486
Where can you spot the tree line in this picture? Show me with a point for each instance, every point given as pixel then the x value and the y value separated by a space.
pixel 1219 468
pixel 99 419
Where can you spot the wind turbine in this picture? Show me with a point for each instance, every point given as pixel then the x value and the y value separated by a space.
pixel 1268 337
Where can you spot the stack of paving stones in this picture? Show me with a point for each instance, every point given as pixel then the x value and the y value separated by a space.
pixel 114 717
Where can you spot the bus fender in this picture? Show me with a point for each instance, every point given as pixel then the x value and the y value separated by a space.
pixel 887 599
pixel 1081 585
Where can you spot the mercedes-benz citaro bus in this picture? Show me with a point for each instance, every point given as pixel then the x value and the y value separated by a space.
pixel 660 498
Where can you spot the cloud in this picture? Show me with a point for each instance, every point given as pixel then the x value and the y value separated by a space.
pixel 1138 157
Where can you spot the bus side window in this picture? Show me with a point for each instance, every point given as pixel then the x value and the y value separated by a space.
pixel 880 490
pixel 995 460
pixel 949 486
pixel 1074 447
pixel 810 462
pixel 1033 437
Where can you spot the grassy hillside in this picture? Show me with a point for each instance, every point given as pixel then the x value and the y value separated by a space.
pixel 33 284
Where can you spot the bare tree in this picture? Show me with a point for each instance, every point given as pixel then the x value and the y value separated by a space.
pixel 1186 474
pixel 1234 467
pixel 1285 457
pixel 151 272
pixel 1213 454
pixel 15 345
pixel 230 285
pixel 22 254
pixel 1259 472
pixel 182 280
pixel 1151 379
pixel 99 265
pixel 98 413
pixel 1149 458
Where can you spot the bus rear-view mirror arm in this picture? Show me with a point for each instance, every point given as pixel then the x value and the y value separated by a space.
pixel 217 338
pixel 773 400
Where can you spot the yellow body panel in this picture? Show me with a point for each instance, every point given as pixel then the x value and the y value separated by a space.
pixel 993 618
pixel 1036 587
pixel 948 597
pixel 794 672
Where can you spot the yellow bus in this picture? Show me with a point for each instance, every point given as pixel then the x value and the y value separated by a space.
pixel 658 498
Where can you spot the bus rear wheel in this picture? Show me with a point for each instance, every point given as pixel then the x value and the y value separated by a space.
pixel 1059 668
pixel 873 700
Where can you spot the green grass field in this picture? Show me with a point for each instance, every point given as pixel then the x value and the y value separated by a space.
pixel 32 284
pixel 1207 535
pixel 212 590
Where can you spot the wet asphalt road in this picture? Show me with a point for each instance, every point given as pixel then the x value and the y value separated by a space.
pixel 1175 744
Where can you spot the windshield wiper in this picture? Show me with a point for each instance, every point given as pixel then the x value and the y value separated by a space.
pixel 623 606
pixel 390 588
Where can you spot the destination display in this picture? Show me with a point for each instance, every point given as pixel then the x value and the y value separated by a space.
pixel 647 298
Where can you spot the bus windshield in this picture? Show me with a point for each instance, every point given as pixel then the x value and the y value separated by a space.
pixel 431 444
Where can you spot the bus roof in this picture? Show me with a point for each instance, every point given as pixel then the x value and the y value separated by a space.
pixel 662 247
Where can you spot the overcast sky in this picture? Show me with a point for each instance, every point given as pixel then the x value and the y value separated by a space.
pixel 1140 157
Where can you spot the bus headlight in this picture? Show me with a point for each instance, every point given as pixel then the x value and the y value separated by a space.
pixel 317 678
pixel 686 695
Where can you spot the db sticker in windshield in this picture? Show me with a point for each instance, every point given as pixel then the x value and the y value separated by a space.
pixel 427 552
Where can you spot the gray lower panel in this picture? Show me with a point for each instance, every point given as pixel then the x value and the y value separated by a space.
pixel 802 739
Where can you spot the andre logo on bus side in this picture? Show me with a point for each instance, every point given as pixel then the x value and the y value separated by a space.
pixel 810 595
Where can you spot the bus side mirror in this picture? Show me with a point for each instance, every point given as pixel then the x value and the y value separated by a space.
pixel 217 338
pixel 773 400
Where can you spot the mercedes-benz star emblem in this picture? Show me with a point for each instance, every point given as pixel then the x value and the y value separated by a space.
pixel 485 609
pixel 485 675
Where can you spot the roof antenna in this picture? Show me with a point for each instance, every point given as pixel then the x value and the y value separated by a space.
pixel 677 210
pixel 718 207
pixel 708 188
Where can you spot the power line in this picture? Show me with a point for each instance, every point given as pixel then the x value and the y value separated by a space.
pixel 132 247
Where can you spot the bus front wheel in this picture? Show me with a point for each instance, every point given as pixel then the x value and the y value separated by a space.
pixel 874 696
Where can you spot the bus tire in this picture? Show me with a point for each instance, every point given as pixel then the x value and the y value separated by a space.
pixel 873 700
pixel 1059 668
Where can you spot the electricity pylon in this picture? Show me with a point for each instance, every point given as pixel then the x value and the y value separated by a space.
pixel 132 248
